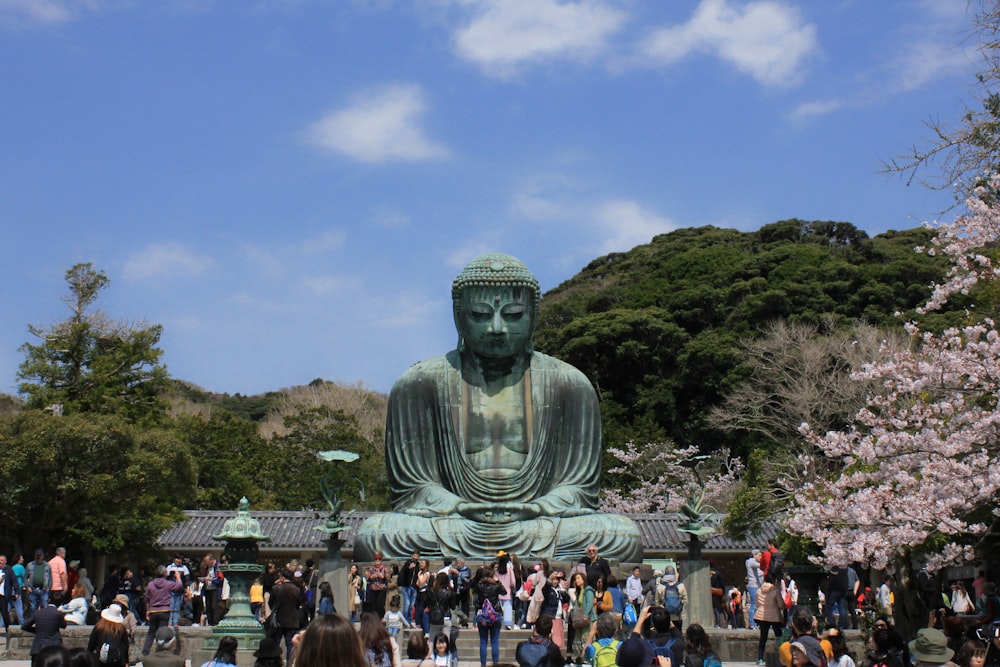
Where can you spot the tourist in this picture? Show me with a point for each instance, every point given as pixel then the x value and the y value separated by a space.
pixel 539 650
pixel 166 649
pixel 674 596
pixel 636 651
pixel 83 578
pixel 330 641
pixel 129 587
pixel 394 620
pixel 177 596
pixel 379 646
pixel 325 604
pixel 603 602
pixel 109 640
pixel 407 582
pixel 424 581
pixel 991 634
pixel 601 643
pixel 355 586
pixel 538 578
pixel 378 583
pixel 754 580
pixel 60 575
pixel 972 653
pixel 698 648
pixel 79 656
pixel 417 652
pixel 838 645
pixel 76 609
pixel 211 587
pixel 507 576
pixel 595 564
pixel 256 598
pixel 803 626
pixel 160 602
pixel 805 657
pixel 583 614
pixel 664 635
pixel 45 623
pixel 961 603
pixel 461 577
pixel 285 602
pixel 930 648
pixel 51 656
pixel 128 620
pixel 268 653
pixel 19 601
pixel 440 600
pixel 770 613
pixel 443 655
pixel 9 592
pixel 718 587
pixel 633 588
pixel 37 581
pixel 225 654
pixel 487 590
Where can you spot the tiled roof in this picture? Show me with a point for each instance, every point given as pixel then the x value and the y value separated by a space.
pixel 295 531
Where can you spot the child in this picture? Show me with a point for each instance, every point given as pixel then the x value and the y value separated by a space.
pixel 393 619
pixel 443 656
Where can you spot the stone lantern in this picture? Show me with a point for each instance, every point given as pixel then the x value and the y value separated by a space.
pixel 241 535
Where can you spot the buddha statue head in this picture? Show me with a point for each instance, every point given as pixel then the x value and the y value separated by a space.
pixel 495 304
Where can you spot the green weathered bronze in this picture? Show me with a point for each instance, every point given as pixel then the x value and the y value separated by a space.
pixel 241 534
pixel 493 445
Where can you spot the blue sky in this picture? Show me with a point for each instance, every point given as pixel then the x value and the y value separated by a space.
pixel 290 186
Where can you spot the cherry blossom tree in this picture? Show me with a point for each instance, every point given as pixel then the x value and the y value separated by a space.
pixel 921 460
pixel 660 477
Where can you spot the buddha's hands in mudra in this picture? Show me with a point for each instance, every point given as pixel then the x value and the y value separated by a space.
pixel 498 512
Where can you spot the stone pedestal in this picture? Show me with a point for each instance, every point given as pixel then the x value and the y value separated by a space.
pixel 333 569
pixel 697 580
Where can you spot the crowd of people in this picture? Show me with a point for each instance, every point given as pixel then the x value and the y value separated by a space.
pixel 583 615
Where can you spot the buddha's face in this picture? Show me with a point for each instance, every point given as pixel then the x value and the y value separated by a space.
pixel 496 322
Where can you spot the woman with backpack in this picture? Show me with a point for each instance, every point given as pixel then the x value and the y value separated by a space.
pixel 109 638
pixel 440 600
pixel 770 614
pixel 698 649
pixel 487 595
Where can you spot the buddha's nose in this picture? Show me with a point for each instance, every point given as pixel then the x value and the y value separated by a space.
pixel 497 326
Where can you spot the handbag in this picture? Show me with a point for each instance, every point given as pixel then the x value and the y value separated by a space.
pixel 579 619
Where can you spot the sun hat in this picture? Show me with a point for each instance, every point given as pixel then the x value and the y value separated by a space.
pixel 501 553
pixel 268 648
pixel 931 645
pixel 635 652
pixel 122 600
pixel 113 613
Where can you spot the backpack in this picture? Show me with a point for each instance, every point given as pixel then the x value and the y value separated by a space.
pixel 711 660
pixel 672 599
pixel 487 615
pixel 607 656
pixel 530 654
pixel 109 651
pixel 777 564
pixel 663 650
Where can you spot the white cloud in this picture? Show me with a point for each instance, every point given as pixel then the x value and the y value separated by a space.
pixel 927 61
pixel 325 285
pixel 164 260
pixel 506 34
pixel 808 110
pixel 767 40
pixel 24 12
pixel 381 125
pixel 624 224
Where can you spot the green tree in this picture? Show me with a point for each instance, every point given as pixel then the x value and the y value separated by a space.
pixel 90 363
pixel 89 481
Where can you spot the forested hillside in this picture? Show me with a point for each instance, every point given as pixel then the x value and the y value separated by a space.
pixel 658 329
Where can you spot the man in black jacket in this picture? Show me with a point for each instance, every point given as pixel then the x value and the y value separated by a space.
pixel 407 581
pixel 45 623
pixel 285 600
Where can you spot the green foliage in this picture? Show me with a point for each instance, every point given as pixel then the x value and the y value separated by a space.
pixel 89 363
pixel 87 480
pixel 290 477
pixel 658 328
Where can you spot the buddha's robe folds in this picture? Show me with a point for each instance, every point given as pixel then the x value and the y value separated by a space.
pixel 431 441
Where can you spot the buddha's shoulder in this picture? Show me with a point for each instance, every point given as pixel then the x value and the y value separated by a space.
pixel 543 363
pixel 429 369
